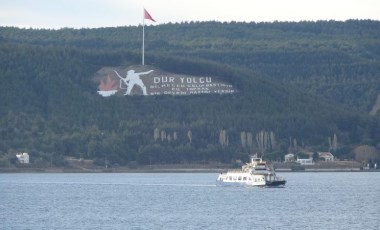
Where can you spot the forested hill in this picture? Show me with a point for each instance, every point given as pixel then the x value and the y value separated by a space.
pixel 337 60
pixel 299 84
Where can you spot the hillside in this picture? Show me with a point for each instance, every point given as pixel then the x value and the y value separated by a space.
pixel 336 60
pixel 51 108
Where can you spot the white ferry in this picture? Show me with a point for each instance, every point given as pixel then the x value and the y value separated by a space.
pixel 255 173
pixel 240 178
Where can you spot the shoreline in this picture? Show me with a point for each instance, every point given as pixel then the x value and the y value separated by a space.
pixel 165 170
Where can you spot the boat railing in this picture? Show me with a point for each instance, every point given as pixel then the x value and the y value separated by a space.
pixel 231 171
pixel 235 170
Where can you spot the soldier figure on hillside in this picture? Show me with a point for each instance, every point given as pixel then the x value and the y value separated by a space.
pixel 133 79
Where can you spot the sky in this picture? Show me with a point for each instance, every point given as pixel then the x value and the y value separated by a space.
pixel 55 14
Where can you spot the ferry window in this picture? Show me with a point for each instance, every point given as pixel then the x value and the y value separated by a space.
pixel 244 178
pixel 230 178
pixel 239 178
pixel 249 178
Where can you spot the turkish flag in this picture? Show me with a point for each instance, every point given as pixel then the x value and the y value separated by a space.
pixel 147 15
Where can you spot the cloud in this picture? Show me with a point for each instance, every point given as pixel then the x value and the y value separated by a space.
pixel 112 13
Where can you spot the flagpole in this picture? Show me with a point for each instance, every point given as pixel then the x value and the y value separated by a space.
pixel 143 37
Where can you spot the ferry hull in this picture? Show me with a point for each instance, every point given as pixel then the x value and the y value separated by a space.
pixel 238 184
pixel 278 183
pixel 271 184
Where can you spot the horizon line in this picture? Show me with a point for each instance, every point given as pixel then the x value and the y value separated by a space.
pixel 189 22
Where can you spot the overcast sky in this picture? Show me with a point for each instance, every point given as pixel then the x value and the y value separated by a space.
pixel 111 13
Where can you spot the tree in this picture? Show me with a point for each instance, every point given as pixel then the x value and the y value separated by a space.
pixel 366 153
pixel 315 157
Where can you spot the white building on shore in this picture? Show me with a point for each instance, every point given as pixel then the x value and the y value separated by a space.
pixel 23 158
pixel 326 156
pixel 305 161
pixel 289 157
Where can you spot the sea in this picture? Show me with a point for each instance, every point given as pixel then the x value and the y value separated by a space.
pixel 328 200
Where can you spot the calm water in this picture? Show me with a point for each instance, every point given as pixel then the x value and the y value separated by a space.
pixel 187 201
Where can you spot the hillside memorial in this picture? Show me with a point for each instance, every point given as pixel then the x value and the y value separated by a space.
pixel 147 80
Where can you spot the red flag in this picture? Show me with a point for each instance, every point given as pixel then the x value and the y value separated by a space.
pixel 147 15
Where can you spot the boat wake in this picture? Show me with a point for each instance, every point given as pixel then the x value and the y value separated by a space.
pixel 181 185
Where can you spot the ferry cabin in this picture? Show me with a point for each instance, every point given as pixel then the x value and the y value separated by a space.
pixel 241 178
